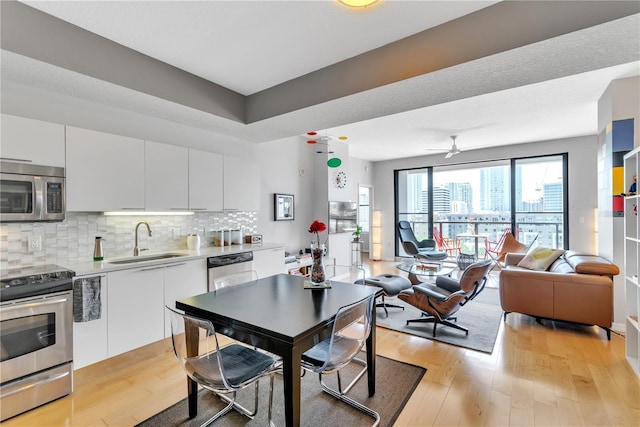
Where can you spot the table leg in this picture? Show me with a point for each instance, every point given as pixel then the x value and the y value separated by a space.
pixel 291 378
pixel 192 396
pixel 192 334
pixel 371 354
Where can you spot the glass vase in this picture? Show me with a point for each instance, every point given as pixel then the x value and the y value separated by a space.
pixel 318 275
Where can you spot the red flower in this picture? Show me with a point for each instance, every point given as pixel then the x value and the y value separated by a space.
pixel 317 227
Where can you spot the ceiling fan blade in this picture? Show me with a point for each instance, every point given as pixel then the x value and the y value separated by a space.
pixel 450 154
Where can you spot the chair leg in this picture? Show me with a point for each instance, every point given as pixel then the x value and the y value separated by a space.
pixel 223 411
pixel 429 319
pixel 238 407
pixel 271 424
pixel 386 305
pixel 346 399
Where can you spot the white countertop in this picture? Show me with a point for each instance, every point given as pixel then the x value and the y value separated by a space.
pixel 88 268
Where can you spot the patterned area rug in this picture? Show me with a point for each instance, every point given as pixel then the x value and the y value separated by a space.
pixel 395 382
pixel 482 317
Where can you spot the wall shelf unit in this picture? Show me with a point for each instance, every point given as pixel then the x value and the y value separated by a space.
pixel 631 260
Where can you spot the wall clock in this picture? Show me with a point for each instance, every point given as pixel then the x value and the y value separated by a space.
pixel 341 180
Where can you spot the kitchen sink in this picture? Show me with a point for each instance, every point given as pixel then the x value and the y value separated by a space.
pixel 145 258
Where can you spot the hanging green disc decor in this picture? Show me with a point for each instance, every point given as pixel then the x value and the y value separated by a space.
pixel 334 162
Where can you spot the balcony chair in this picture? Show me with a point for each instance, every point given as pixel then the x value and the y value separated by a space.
pixel 426 249
pixel 506 244
pixel 440 301
pixel 222 370
pixel 351 328
pixel 448 245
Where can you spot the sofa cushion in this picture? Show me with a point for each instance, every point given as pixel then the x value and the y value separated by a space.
pixel 540 258
pixel 561 266
pixel 590 264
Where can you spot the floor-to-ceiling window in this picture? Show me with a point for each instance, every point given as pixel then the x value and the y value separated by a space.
pixel 540 202
pixel 479 202
pixel 412 195
pixel 472 202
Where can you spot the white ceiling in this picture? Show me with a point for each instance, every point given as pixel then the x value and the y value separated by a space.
pixel 250 46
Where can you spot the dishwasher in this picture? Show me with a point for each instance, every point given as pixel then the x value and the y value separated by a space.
pixel 223 265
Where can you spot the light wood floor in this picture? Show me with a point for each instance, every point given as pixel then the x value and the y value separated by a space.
pixel 551 375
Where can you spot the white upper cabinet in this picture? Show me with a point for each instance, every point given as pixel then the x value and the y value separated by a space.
pixel 205 181
pixel 241 184
pixel 166 177
pixel 105 172
pixel 32 141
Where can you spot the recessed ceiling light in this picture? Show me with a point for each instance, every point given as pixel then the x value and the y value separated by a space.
pixel 358 3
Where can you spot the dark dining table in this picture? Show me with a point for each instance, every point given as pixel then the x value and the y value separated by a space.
pixel 280 315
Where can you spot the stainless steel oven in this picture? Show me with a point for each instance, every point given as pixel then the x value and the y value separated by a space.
pixel 36 340
pixel 31 193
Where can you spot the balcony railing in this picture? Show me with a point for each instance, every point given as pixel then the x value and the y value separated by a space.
pixel 549 234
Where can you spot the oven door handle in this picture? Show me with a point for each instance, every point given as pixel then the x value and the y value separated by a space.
pixel 39 383
pixel 33 303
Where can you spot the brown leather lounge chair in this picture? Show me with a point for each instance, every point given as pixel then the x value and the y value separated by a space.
pixel 440 301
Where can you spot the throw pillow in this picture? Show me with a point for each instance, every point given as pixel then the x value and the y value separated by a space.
pixel 540 258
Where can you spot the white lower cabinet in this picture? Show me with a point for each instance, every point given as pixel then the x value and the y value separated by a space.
pixel 183 280
pixel 269 262
pixel 135 308
pixel 90 338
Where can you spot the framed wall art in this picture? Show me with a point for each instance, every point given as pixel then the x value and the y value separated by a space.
pixel 283 207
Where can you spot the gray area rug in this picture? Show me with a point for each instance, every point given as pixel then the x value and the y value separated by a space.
pixel 482 317
pixel 395 382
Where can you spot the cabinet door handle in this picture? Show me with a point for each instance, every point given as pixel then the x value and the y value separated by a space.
pixel 175 265
pixel 152 268
pixel 16 160
pixel 198 209
pixel 132 209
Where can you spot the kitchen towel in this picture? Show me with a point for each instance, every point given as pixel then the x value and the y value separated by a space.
pixel 87 305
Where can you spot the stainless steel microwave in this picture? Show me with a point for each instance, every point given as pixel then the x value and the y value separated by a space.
pixel 31 193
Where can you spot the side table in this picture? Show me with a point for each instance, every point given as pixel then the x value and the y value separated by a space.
pixel 356 253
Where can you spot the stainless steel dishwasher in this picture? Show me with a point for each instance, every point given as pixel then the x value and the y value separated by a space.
pixel 223 265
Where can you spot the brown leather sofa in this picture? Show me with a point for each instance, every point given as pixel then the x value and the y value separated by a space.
pixel 577 287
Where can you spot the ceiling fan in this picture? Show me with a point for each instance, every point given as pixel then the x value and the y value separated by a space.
pixel 452 151
pixel 454 148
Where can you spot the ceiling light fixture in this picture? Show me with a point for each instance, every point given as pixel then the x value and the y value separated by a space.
pixel 357 3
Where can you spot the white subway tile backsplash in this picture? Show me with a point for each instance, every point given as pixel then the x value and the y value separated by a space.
pixel 73 238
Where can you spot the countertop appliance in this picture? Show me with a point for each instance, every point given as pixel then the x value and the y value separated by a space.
pixel 31 193
pixel 36 338
pixel 223 265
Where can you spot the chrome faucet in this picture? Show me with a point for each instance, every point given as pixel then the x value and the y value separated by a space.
pixel 136 249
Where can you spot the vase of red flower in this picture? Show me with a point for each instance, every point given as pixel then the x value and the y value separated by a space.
pixel 318 275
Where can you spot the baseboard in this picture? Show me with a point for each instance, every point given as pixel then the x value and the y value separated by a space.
pixel 618 327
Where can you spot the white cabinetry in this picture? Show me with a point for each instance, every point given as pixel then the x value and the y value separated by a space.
pixel 90 338
pixel 269 262
pixel 632 260
pixel 32 141
pixel 104 172
pixel 241 184
pixel 166 170
pixel 135 308
pixel 205 181
pixel 182 280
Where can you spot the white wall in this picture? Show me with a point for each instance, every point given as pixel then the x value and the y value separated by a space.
pixel 620 101
pixel 581 180
pixel 286 166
